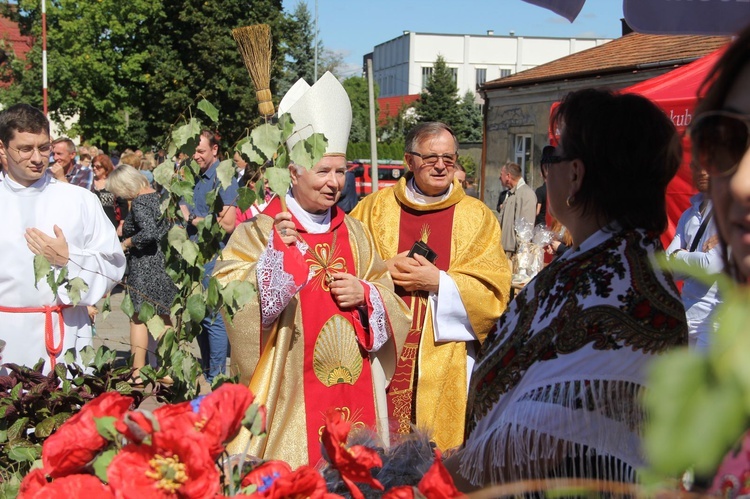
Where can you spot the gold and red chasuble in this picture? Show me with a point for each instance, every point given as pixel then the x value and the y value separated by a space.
pixel 336 368
pixel 429 227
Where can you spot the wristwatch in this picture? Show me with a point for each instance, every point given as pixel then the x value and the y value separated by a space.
pixel 191 217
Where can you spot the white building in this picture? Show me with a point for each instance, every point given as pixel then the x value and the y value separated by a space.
pixel 402 66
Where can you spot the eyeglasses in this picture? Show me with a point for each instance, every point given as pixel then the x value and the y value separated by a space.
pixel 449 160
pixel 97 165
pixel 26 152
pixel 720 139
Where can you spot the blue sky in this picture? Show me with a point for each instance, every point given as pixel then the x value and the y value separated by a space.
pixel 354 27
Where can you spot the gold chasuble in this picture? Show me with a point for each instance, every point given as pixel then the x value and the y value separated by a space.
pixel 311 355
pixel 430 385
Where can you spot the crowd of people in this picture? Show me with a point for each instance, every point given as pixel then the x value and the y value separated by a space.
pixel 396 310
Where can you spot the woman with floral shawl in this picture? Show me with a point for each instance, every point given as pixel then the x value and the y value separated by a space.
pixel 556 390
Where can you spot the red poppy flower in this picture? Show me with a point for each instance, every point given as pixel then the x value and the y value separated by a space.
pixel 303 483
pixel 263 475
pixel 353 463
pixel 136 426
pixel 221 414
pixel 400 492
pixel 172 467
pixel 437 482
pixel 33 481
pixel 77 442
pixel 69 486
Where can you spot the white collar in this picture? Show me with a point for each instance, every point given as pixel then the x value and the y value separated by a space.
pixel 415 196
pixel 314 224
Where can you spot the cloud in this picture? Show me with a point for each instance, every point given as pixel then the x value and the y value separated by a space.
pixel 589 15
pixel 589 34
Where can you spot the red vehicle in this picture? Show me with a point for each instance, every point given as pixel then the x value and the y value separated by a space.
pixel 389 172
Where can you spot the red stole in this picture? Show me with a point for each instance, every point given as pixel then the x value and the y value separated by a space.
pixel 336 368
pixel 432 228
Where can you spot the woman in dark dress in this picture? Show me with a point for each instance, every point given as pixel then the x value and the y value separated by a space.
pixel 142 233
pixel 116 208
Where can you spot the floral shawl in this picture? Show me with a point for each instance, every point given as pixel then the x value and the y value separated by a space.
pixel 556 389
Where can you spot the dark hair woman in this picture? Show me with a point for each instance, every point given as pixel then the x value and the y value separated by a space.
pixel 556 390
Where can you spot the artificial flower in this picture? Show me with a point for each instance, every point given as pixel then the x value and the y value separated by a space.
pixel 221 414
pixel 437 482
pixel 303 483
pixel 263 475
pixel 33 481
pixel 77 442
pixel 171 467
pixel 353 463
pixel 67 486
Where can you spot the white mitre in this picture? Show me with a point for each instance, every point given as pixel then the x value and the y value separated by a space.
pixel 323 108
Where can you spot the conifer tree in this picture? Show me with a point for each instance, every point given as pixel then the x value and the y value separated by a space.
pixel 439 100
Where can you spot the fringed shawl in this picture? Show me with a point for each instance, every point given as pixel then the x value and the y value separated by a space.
pixel 556 390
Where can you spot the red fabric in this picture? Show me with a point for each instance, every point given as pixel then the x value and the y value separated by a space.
pixel 676 93
pixel 49 337
pixel 355 396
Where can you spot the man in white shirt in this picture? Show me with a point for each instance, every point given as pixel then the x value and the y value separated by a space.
pixel 44 216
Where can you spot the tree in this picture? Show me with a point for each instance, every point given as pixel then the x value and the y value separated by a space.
pixel 357 89
pixel 299 48
pixel 468 128
pixel 439 100
pixel 126 69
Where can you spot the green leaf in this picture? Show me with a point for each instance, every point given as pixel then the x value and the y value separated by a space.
pixel 286 125
pixel 155 326
pixel 212 294
pixel 42 267
pixel 226 172
pixel 127 305
pixel 106 307
pixel 186 133
pixel 101 463
pixel 209 109
pixel 282 159
pixel 316 145
pixel 237 294
pixel 196 307
pixel 252 153
pixel 299 155
pixel 88 353
pixel 21 454
pixel 266 138
pixel 69 357
pixel 278 180
pixel 45 428
pixel 75 287
pixel 147 311
pixel 18 428
pixel 105 426
pixel 163 175
pixel 178 239
pixel 245 198
pixel 184 189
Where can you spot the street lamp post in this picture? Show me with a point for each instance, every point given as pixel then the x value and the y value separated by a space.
pixel 44 56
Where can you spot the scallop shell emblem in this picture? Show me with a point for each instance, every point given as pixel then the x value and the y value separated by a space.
pixel 336 358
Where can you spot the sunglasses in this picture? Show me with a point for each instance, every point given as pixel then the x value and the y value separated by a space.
pixel 552 160
pixel 720 140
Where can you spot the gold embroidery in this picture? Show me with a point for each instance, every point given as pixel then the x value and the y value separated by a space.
pixel 336 356
pixel 425 233
pixel 355 419
pixel 322 264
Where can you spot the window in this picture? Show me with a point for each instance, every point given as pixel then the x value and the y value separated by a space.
pixel 523 152
pixel 454 72
pixel 481 76
pixel 426 75
pixel 504 73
